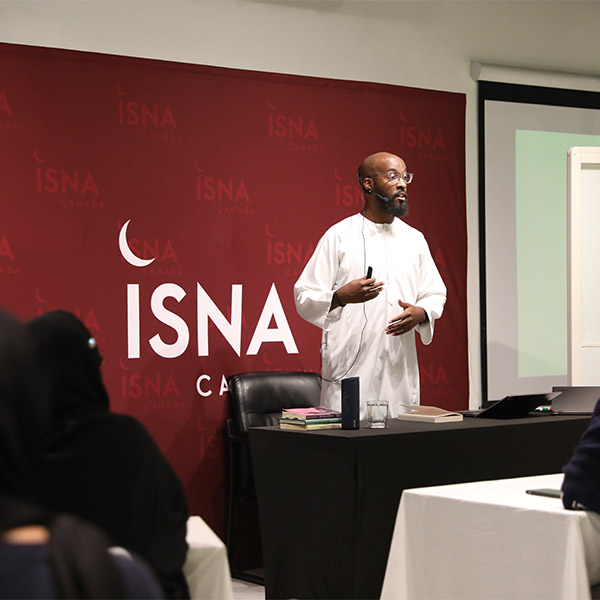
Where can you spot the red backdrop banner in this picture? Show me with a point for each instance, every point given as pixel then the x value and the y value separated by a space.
pixel 172 207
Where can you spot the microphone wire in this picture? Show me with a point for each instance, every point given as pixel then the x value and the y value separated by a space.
pixel 366 320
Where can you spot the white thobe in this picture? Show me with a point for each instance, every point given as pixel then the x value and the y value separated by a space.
pixel 354 342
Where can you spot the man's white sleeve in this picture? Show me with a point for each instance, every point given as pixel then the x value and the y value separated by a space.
pixel 313 291
pixel 432 295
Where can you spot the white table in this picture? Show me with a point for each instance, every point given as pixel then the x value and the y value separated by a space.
pixel 489 540
pixel 206 567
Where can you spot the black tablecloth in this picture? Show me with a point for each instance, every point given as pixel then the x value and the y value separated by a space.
pixel 328 499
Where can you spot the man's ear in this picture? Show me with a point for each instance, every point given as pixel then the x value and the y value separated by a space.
pixel 366 188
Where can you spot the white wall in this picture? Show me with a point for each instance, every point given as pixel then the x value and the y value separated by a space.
pixel 428 44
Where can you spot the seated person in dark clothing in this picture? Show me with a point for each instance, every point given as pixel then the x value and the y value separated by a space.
pixel 581 491
pixel 43 555
pixel 105 467
pixel 581 483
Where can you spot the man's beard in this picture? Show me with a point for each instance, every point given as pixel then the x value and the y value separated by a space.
pixel 391 208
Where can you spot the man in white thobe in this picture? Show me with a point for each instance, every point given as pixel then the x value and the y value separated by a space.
pixel 369 323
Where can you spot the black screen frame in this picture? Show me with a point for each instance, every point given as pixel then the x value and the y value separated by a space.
pixel 524 94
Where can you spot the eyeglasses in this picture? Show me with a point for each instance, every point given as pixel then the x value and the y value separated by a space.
pixel 394 176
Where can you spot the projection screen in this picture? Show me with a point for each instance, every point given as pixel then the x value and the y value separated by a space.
pixel 525 133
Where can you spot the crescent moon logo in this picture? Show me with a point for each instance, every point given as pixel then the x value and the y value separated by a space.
pixel 38 297
pixel 270 104
pixel 402 117
pixel 37 158
pixel 337 176
pixel 124 367
pixel 197 167
pixel 120 91
pixel 271 235
pixel 126 252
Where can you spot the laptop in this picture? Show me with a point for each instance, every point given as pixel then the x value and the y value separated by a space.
pixel 512 407
pixel 578 400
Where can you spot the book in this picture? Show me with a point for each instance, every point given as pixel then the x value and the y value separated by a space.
pixel 427 414
pixel 295 421
pixel 313 412
pixel 308 425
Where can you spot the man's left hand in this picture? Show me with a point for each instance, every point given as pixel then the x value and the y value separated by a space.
pixel 407 320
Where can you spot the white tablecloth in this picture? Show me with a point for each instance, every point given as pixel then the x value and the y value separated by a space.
pixel 491 540
pixel 207 566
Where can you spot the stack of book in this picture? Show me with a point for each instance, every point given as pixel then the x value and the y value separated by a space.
pixel 306 419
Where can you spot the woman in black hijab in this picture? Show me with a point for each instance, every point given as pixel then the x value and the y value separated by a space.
pixel 105 467
pixel 44 555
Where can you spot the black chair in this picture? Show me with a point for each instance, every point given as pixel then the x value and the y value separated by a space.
pixel 257 399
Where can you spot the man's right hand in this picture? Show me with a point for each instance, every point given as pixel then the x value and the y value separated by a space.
pixel 356 292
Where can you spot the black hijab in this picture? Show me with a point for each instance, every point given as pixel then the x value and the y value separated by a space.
pixel 77 552
pixel 73 363
pixel 105 467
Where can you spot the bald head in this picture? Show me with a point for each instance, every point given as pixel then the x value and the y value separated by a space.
pixel 380 162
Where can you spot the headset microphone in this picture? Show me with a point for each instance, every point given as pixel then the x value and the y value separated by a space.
pixel 368 191
pixel 384 198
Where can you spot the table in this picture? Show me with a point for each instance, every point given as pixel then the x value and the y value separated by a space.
pixel 206 567
pixel 491 540
pixel 328 499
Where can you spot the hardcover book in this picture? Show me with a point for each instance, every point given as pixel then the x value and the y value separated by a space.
pixel 309 426
pixel 427 414
pixel 313 412
pixel 295 421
